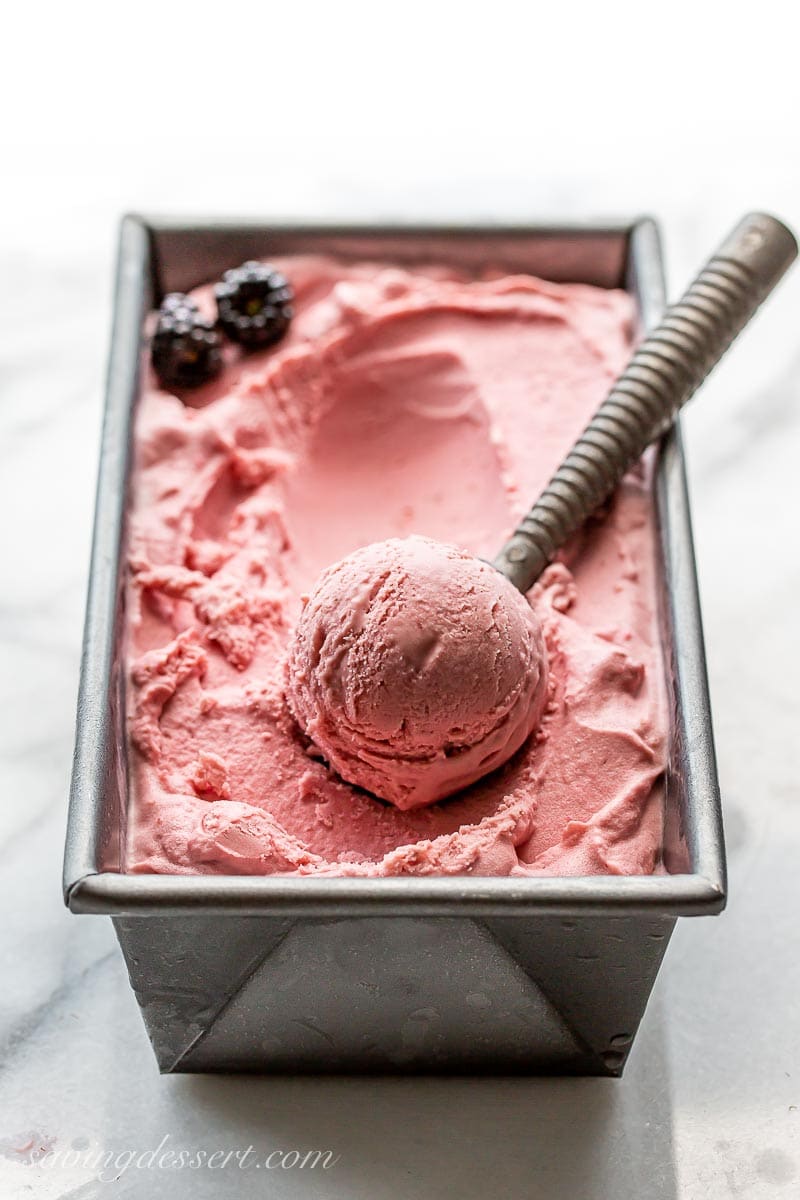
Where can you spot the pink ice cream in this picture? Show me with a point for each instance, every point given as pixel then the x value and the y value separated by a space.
pixel 402 402
pixel 416 669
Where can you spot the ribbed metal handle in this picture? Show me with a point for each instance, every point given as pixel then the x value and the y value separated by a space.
pixel 666 370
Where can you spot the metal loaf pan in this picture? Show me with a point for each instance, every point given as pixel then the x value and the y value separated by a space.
pixel 455 974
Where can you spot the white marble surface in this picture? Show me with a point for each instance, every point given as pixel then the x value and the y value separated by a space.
pixel 434 112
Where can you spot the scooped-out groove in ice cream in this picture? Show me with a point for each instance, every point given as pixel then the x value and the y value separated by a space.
pixel 405 405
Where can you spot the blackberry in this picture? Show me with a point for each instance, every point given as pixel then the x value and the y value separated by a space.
pixel 254 302
pixel 186 348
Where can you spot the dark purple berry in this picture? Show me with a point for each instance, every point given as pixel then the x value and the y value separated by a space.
pixel 254 302
pixel 186 348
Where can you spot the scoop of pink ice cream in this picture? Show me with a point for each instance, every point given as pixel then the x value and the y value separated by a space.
pixel 416 669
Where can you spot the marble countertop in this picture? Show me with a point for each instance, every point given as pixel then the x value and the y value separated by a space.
pixel 710 1103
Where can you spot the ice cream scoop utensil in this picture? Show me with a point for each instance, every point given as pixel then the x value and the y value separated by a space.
pixel 396 700
pixel 666 370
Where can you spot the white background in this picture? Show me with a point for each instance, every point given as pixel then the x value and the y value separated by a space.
pixel 688 111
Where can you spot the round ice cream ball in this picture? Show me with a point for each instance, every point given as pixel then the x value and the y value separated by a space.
pixel 416 669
